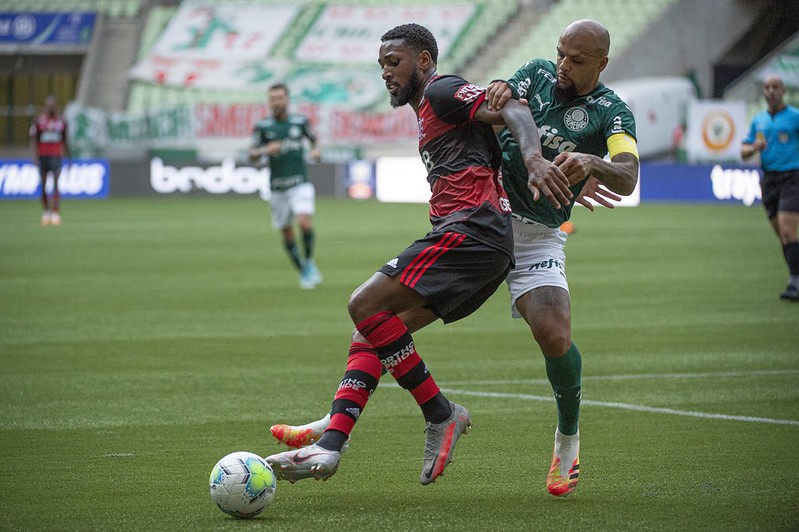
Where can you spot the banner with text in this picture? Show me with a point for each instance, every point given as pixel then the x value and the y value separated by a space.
pixel 218 45
pixel 47 29
pixel 403 180
pixel 84 179
pixel 93 130
pixel 345 34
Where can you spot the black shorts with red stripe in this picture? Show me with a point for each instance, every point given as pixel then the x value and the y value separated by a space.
pixel 455 273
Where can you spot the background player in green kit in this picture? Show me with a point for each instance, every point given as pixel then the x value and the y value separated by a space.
pixel 280 138
pixel 579 121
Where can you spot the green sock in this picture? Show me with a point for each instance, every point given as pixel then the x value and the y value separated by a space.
pixel 291 248
pixel 564 375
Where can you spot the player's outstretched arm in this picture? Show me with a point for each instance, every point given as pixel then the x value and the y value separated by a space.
pixel 594 190
pixel 620 174
pixel 543 176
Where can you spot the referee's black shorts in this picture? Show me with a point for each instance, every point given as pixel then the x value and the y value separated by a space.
pixel 455 273
pixel 780 191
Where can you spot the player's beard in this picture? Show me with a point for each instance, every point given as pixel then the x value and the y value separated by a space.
pixel 405 94
pixel 565 94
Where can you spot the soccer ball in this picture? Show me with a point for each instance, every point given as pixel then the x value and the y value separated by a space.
pixel 242 484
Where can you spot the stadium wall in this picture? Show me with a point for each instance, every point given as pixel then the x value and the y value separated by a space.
pixel 707 31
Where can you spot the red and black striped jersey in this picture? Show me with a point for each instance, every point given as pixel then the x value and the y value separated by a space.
pixel 50 133
pixel 463 159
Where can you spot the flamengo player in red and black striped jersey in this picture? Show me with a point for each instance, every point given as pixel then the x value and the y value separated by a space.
pixel 446 274
pixel 49 136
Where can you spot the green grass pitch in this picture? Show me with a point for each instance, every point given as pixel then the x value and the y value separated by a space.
pixel 146 338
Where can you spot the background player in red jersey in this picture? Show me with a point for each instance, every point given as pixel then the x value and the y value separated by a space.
pixel 448 273
pixel 49 136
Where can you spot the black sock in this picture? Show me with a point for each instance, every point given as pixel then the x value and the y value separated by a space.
pixel 308 241
pixel 294 255
pixel 332 440
pixel 436 410
pixel 791 252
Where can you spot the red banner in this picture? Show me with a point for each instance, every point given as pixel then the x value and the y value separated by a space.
pixel 333 124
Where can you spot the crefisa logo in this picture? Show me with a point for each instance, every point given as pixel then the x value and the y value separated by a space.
pixel 222 179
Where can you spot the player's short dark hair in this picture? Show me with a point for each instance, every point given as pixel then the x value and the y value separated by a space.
pixel 416 36
pixel 279 87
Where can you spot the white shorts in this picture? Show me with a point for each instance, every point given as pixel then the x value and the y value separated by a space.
pixel 288 203
pixel 540 260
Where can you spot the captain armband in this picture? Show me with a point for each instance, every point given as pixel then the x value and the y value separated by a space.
pixel 622 143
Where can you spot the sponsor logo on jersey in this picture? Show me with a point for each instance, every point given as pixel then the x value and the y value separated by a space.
pixel 295 132
pixel 617 126
pixel 393 262
pixel 576 119
pixel 290 145
pixel 604 102
pixel 524 86
pixel 547 265
pixel 355 412
pixel 469 92
pixel 547 74
pixel 551 139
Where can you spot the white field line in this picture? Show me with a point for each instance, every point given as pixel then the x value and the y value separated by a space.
pixel 643 376
pixel 627 406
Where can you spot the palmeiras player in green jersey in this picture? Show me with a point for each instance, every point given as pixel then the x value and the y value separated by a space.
pixel 579 122
pixel 280 138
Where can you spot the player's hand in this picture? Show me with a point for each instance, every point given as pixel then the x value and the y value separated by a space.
pixel 760 144
pixel 273 148
pixel 497 94
pixel 546 178
pixel 594 190
pixel 575 166
pixel 316 154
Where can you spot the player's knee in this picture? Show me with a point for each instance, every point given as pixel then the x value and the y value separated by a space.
pixel 553 336
pixel 358 306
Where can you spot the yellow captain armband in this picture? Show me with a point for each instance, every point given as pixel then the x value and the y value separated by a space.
pixel 622 143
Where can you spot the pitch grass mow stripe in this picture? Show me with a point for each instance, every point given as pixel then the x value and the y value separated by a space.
pixel 627 406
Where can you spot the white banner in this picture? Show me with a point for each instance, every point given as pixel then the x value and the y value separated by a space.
pixel 715 130
pixel 218 45
pixel 351 34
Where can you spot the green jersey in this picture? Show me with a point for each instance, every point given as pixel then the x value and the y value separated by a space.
pixel 582 125
pixel 288 168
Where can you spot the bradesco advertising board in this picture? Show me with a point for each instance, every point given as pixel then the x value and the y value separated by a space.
pixel 224 178
pixel 84 179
